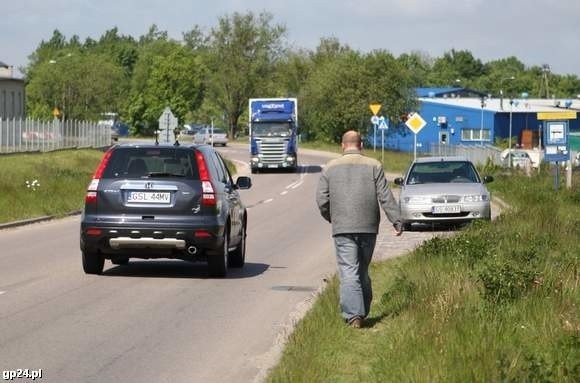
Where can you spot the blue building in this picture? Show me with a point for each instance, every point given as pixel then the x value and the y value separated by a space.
pixel 460 116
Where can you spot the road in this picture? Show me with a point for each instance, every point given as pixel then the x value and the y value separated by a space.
pixel 166 321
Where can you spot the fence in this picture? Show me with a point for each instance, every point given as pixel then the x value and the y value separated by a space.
pixel 26 135
pixel 478 154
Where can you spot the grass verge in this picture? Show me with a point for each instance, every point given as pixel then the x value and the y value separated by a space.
pixel 61 183
pixel 393 162
pixel 499 301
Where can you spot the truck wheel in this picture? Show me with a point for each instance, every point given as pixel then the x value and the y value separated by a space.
pixel 218 262
pixel 93 263
pixel 238 257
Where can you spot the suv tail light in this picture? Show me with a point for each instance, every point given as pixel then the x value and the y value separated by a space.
pixel 91 196
pixel 208 192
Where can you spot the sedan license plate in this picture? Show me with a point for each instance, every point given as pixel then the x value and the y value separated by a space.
pixel 272 166
pixel 149 197
pixel 446 209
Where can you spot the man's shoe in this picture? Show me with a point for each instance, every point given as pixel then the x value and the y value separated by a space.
pixel 355 322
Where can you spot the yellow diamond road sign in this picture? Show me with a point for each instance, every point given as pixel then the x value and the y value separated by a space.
pixel 415 123
pixel 375 108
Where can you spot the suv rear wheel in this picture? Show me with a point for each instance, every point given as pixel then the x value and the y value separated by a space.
pixel 238 257
pixel 218 263
pixel 93 263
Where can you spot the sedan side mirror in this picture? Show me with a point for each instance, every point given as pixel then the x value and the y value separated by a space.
pixel 399 181
pixel 487 179
pixel 243 182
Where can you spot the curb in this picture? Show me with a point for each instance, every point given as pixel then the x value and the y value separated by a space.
pixel 25 222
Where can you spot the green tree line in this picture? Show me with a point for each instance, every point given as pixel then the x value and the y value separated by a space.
pixel 211 73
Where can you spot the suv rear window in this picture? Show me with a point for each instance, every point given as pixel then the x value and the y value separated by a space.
pixel 152 162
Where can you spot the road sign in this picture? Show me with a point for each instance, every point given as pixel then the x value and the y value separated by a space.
pixel 375 108
pixel 167 123
pixel 56 113
pixel 383 124
pixel 568 115
pixel 375 120
pixel 415 123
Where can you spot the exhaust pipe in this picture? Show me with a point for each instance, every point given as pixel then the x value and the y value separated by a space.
pixel 192 250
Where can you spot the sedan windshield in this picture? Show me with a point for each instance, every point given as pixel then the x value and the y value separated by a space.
pixel 442 172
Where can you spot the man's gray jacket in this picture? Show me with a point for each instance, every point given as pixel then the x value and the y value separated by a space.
pixel 349 192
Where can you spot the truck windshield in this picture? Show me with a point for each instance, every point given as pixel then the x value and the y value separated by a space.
pixel 272 129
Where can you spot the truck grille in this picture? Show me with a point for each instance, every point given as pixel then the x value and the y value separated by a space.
pixel 272 152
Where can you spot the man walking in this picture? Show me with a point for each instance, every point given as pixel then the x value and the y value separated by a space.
pixel 348 196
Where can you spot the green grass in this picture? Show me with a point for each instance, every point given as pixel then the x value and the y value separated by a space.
pixel 499 302
pixel 62 179
pixel 393 162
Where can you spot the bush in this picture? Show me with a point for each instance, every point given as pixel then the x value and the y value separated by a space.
pixel 398 296
pixel 505 280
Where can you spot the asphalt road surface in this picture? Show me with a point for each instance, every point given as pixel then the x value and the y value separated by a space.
pixel 166 321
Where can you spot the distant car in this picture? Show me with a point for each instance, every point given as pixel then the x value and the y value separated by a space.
pixel 186 135
pixel 205 136
pixel 443 190
pixel 519 159
pixel 164 201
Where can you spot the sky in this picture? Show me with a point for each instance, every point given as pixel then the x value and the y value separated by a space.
pixel 535 31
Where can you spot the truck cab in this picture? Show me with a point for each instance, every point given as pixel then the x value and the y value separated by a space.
pixel 273 134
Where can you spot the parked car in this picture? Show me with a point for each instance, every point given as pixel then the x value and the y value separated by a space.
pixel 519 159
pixel 443 190
pixel 164 201
pixel 204 136
pixel 186 135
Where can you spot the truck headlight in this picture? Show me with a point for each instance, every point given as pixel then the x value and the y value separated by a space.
pixel 255 159
pixel 289 159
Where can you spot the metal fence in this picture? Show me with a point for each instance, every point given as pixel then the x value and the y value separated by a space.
pixel 478 154
pixel 26 135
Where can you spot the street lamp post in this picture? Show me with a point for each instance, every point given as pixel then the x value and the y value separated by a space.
pixel 510 135
pixel 501 90
pixel 481 126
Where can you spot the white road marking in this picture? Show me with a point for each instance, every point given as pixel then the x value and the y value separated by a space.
pixel 2 292
pixel 297 185
pixel 269 200
pixel 284 192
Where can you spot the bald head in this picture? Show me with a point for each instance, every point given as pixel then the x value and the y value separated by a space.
pixel 351 140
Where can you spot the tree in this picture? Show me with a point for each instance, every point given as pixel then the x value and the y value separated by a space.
pixel 337 95
pixel 242 51
pixel 81 85
pixel 166 74
pixel 456 65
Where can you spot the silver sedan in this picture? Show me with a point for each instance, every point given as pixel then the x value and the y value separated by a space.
pixel 443 190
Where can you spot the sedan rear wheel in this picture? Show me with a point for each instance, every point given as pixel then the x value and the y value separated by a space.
pixel 93 263
pixel 238 256
pixel 218 263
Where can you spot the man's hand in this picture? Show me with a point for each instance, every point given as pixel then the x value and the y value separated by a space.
pixel 398 226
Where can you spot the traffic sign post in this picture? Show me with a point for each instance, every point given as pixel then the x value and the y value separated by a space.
pixel 375 107
pixel 167 124
pixel 382 126
pixel 556 143
pixel 375 122
pixel 415 122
